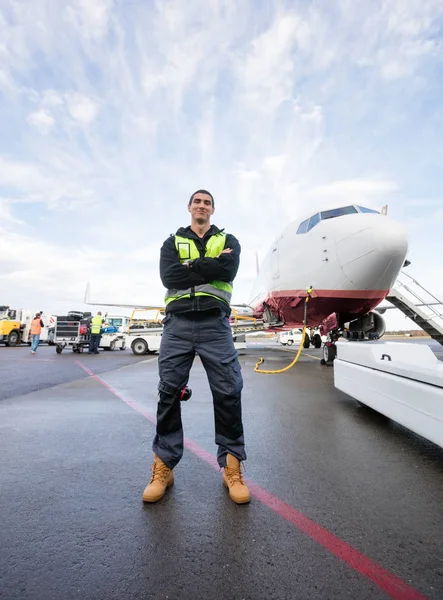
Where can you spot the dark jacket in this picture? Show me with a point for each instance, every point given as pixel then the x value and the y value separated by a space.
pixel 175 275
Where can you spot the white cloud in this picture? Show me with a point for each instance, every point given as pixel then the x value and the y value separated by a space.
pixel 81 108
pixel 22 175
pixel 6 82
pixel 355 186
pixel 91 19
pixel 267 72
pixel 62 272
pixel 42 120
pixel 6 214
pixel 51 99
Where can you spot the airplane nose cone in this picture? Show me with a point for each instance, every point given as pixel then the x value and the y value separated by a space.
pixel 390 239
pixel 372 256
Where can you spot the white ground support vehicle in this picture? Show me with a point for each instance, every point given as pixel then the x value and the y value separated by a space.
pixel 403 381
pixel 116 337
pixel 145 341
pixel 294 336
pixel 113 341
pixel 48 331
pixel 144 333
pixel 121 322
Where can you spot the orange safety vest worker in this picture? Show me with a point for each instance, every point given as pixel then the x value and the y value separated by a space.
pixel 36 327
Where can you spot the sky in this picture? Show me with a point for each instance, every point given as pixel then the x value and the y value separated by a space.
pixel 113 112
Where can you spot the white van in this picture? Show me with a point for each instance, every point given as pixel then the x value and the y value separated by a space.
pixel 294 336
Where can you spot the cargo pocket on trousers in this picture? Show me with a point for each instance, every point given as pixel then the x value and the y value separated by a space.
pixel 166 319
pixel 233 378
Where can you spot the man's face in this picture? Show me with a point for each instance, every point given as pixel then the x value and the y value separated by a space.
pixel 201 208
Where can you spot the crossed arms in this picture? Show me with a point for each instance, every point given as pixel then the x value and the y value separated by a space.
pixel 175 275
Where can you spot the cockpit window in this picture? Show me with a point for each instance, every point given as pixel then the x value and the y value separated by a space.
pixel 338 212
pixel 307 225
pixel 313 221
pixel 303 227
pixel 367 210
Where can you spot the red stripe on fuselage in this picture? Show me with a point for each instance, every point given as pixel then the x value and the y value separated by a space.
pixel 288 305
pixel 359 294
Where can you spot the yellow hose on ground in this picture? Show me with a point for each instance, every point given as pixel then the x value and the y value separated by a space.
pixel 276 371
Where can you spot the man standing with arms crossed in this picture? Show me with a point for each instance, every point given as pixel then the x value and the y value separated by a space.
pixel 197 266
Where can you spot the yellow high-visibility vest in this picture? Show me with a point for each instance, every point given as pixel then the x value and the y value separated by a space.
pixel 187 250
pixel 96 324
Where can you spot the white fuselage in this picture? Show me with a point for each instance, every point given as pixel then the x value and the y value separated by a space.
pixel 350 261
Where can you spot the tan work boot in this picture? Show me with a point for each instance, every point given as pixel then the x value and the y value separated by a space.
pixel 233 480
pixel 162 478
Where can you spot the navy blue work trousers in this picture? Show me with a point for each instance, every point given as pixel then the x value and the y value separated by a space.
pixel 94 343
pixel 210 336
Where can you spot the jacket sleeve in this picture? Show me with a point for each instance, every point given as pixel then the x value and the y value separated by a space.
pixel 41 323
pixel 222 269
pixel 173 274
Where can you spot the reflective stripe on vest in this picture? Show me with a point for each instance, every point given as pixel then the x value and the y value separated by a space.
pixel 36 328
pixel 96 324
pixel 187 250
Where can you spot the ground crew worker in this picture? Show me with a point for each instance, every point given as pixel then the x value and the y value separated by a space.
pixel 96 333
pixel 36 329
pixel 198 266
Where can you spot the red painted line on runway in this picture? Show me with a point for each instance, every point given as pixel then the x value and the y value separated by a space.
pixel 134 405
pixel 386 581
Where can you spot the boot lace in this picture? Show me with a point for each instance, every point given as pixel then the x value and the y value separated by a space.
pixel 234 475
pixel 160 472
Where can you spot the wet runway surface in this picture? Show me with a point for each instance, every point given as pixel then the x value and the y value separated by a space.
pixel 22 372
pixel 346 504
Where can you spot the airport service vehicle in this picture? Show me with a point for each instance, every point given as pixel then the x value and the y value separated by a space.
pixel 144 334
pixel 119 322
pixel 47 334
pixel 15 326
pixel 113 341
pixel 294 336
pixel 144 342
pixel 402 381
pixel 113 332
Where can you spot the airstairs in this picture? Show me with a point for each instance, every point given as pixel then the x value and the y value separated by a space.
pixel 419 304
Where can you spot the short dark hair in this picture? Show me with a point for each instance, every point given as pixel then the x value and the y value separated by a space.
pixel 201 192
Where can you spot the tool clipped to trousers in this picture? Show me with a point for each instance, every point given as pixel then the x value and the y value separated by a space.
pixel 182 394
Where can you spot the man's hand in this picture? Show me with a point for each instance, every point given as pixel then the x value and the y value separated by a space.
pixel 225 251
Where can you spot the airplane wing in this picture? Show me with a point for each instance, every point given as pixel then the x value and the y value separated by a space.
pixel 87 300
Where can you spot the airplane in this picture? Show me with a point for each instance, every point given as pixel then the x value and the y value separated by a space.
pixel 350 256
